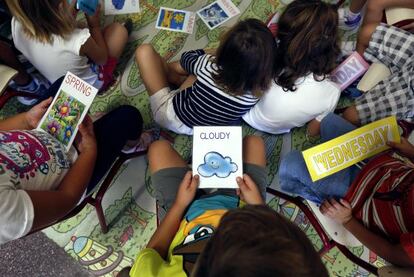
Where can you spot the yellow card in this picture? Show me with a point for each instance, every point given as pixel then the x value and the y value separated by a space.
pixel 355 146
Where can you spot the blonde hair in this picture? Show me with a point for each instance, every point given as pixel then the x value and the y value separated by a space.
pixel 42 18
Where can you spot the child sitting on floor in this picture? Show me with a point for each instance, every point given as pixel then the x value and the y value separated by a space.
pixel 307 52
pixel 39 181
pixel 214 90
pixel 393 47
pixel 45 32
pixel 374 203
pixel 251 241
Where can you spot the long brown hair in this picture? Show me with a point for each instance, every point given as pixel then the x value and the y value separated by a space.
pixel 245 58
pixel 42 18
pixel 308 41
pixel 257 241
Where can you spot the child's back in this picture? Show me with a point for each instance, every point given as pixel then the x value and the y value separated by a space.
pixel 306 54
pixel 225 86
pixel 45 32
pixel 54 59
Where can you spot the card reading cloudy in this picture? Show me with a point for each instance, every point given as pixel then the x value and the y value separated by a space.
pixel 217 155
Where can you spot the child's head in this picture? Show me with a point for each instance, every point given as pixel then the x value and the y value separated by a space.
pixel 256 241
pixel 308 41
pixel 245 58
pixel 43 18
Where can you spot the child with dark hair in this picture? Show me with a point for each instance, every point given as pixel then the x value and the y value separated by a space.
pixel 307 52
pixel 256 241
pixel 249 241
pixel 213 89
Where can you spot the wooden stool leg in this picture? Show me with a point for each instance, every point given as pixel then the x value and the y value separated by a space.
pixel 101 216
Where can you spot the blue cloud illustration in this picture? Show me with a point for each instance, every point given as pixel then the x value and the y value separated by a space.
pixel 216 164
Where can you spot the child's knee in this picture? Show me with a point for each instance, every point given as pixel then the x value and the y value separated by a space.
pixel 252 142
pixel 143 51
pixel 158 149
pixel 290 166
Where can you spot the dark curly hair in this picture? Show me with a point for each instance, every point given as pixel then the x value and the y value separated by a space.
pixel 245 58
pixel 308 42
pixel 256 241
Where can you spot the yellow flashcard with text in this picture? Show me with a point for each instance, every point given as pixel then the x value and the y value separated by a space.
pixel 355 146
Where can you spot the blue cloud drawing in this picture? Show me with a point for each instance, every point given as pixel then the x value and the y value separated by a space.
pixel 118 4
pixel 216 164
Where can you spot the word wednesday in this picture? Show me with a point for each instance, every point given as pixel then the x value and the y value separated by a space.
pixel 344 151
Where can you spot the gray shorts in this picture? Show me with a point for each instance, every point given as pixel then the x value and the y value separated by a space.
pixel 166 182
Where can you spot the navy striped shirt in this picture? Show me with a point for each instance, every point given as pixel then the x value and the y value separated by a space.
pixel 204 103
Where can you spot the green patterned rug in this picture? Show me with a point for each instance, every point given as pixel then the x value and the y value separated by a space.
pixel 129 204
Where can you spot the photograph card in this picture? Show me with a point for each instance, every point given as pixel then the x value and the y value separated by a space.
pixel 217 155
pixel 113 7
pixel 217 13
pixel 68 109
pixel 175 20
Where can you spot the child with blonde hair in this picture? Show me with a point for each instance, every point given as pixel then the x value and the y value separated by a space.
pixel 45 32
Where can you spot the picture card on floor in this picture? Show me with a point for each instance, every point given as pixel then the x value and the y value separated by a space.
pixel 341 152
pixel 217 13
pixel 349 70
pixel 217 155
pixel 68 109
pixel 175 20
pixel 121 6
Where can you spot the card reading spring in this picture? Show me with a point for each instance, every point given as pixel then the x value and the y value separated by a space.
pixel 68 109
pixel 355 146
pixel 175 20
pixel 217 155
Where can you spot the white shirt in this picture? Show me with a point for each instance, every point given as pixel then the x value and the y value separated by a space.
pixel 54 59
pixel 278 111
pixel 29 160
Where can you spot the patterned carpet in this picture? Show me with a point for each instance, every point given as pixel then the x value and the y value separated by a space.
pixel 129 205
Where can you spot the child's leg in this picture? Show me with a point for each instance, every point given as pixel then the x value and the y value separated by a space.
pixel 152 67
pixel 294 176
pixel 116 37
pixel 167 171
pixel 373 17
pixel 112 131
pixel 254 158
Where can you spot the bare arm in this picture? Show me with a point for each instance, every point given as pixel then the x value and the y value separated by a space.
pixel 393 253
pixel 314 128
pixel 341 212
pixel 163 236
pixel 49 206
pixel 27 120
pixel 95 47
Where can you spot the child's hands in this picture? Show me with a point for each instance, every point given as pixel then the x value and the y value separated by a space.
pixel 94 21
pixel 85 140
pixel 341 211
pixel 248 191
pixel 35 114
pixel 187 190
pixel 405 148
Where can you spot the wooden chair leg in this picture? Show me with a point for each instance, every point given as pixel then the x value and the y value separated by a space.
pixel 328 243
pixel 101 216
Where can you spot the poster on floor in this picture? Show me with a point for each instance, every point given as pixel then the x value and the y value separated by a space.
pixel 113 7
pixel 175 20
pixel 217 13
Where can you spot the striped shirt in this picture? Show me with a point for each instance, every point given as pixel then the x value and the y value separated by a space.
pixel 382 197
pixel 204 103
